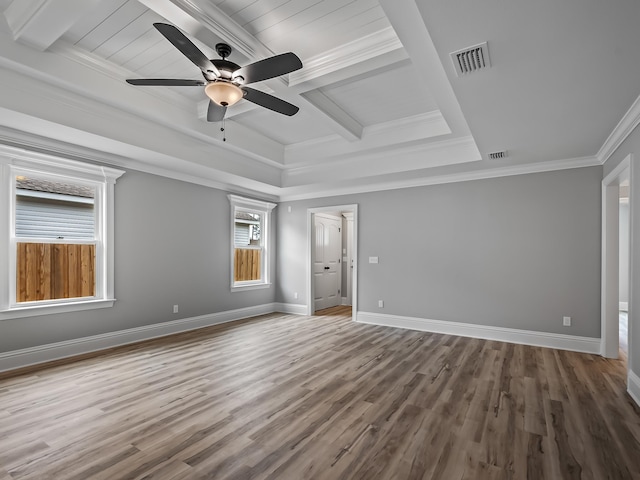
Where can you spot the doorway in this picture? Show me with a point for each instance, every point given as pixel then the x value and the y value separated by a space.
pixel 322 283
pixel 612 185
pixel 327 260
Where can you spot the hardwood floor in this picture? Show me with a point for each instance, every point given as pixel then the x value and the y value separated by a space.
pixel 332 311
pixel 290 397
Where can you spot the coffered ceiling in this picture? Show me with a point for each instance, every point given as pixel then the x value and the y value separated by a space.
pixel 381 105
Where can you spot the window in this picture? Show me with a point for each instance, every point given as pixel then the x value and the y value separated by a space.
pixel 249 242
pixel 56 238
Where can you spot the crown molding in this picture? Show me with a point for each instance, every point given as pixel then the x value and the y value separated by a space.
pixel 623 129
pixel 371 185
pixel 352 53
pixel 20 142
pixel 418 155
pixel 413 128
pixel 422 125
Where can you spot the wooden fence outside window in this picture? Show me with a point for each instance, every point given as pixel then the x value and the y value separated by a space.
pixel 48 271
pixel 246 264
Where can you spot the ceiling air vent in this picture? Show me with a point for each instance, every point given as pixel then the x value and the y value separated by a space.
pixel 471 59
pixel 497 155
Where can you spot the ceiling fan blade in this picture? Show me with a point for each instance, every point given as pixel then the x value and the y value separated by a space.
pixel 269 68
pixel 186 46
pixel 165 82
pixel 215 112
pixel 269 101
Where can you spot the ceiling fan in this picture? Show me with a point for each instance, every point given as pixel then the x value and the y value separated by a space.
pixel 225 82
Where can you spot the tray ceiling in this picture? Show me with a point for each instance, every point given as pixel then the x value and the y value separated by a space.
pixel 377 84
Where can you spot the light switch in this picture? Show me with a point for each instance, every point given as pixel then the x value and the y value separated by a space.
pixel 373 259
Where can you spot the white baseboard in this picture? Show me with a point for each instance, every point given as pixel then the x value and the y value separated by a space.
pixel 511 335
pixel 292 308
pixel 633 386
pixel 623 306
pixel 69 348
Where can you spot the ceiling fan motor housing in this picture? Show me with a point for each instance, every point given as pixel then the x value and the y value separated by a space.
pixel 225 67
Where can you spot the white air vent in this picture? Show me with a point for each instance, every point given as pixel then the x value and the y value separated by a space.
pixel 497 155
pixel 471 59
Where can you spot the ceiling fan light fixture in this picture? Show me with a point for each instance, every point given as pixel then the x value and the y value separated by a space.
pixel 224 94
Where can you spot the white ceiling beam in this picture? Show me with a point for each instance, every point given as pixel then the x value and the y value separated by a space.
pixel 407 21
pixel 350 129
pixel 359 52
pixel 39 23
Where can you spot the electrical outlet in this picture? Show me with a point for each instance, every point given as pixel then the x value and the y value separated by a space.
pixel 566 321
pixel 381 303
pixel 175 309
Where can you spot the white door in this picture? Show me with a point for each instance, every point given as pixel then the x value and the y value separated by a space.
pixel 327 271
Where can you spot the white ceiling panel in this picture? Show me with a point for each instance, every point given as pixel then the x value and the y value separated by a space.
pixel 247 12
pixel 283 129
pixel 128 34
pixel 93 18
pixel 145 41
pixel 112 25
pixel 284 15
pixel 307 27
pixel 390 94
pixel 347 23
pixel 157 50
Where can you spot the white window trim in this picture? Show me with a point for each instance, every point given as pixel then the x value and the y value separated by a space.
pixel 257 206
pixel 14 160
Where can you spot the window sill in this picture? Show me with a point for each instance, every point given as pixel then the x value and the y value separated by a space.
pixel 52 309
pixel 249 286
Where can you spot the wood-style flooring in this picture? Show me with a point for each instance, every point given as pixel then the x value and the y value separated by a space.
pixel 292 397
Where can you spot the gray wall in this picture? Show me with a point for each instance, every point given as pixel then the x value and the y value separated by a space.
pixel 171 247
pixel 632 146
pixel 519 252
pixel 516 252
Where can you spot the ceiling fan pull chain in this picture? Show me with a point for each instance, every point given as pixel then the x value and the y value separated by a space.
pixel 222 129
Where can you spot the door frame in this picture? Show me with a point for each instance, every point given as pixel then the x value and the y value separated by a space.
pixel 610 288
pixel 310 281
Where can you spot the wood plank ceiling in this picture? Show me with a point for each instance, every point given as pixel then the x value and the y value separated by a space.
pixel 121 32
